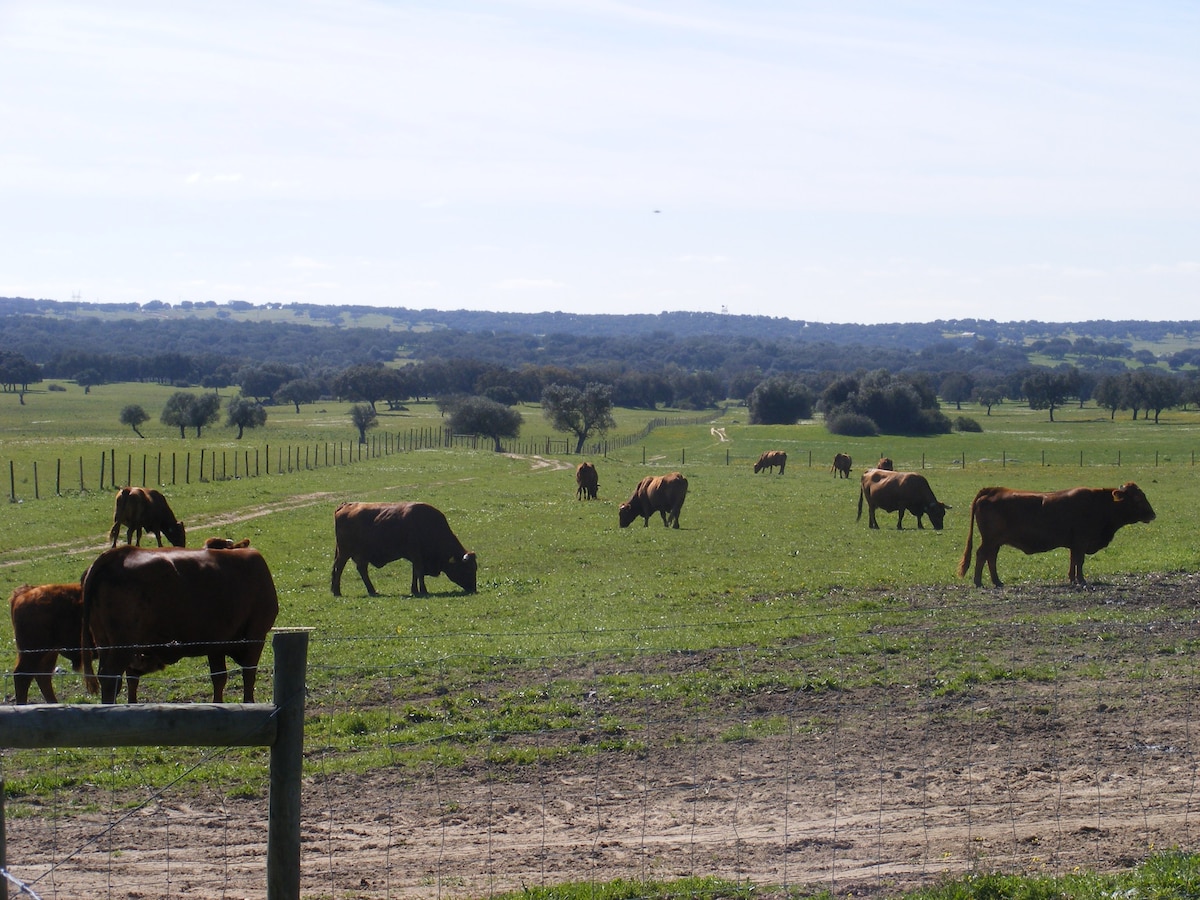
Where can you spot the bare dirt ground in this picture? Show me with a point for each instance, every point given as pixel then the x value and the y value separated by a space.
pixel 863 792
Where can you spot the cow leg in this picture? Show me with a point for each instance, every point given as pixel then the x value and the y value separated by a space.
pixel 1075 572
pixel 40 668
pixel 987 554
pixel 361 565
pixel 115 533
pixel 339 563
pixel 900 519
pixel 871 523
pixel 920 524
pixel 219 675
pixel 418 581
pixel 158 537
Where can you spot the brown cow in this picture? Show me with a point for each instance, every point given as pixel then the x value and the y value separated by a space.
pixel 885 463
pixel 1084 520
pixel 47 621
pixel 145 509
pixel 663 494
pixel 587 481
pixel 769 460
pixel 841 465
pixel 146 609
pixel 899 491
pixel 220 543
pixel 379 533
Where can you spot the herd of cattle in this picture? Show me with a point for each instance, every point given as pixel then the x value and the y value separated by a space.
pixel 136 611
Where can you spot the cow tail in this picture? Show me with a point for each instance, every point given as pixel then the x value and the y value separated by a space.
pixel 965 562
pixel 90 682
pixel 860 500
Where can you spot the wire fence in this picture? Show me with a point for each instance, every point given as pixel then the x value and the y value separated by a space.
pixel 891 742
pixel 109 470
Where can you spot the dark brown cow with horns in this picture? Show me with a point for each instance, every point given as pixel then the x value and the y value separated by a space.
pixel 145 509
pixel 663 494
pixel 146 609
pixel 899 492
pixel 1084 520
pixel 375 534
pixel 587 481
pixel 841 465
pixel 770 460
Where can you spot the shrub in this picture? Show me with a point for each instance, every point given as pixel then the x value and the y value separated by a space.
pixel 852 424
pixel 966 423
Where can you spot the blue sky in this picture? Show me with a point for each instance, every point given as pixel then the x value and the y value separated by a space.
pixel 839 162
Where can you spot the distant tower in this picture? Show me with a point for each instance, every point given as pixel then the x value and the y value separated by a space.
pixel 724 310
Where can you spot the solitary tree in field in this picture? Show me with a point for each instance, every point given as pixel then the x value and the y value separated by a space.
pixel 363 416
pixel 580 412
pixel 299 390
pixel 479 415
pixel 133 416
pixel 243 413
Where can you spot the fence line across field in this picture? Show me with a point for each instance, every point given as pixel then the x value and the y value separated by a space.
pixel 213 465
pixel 859 762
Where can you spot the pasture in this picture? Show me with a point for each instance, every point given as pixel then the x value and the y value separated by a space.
pixel 770 588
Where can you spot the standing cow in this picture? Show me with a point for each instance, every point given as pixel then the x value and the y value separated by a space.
pixel 902 492
pixel 769 460
pixel 379 533
pixel 1084 520
pixel 145 509
pixel 47 621
pixel 146 609
pixel 841 465
pixel 885 463
pixel 587 481
pixel 663 494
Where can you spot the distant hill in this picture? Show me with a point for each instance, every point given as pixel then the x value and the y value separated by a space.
pixel 910 336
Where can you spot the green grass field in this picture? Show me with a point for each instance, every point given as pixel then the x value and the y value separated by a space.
pixel 549 562
pixel 761 561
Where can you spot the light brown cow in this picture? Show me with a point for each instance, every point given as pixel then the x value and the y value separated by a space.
pixel 587 481
pixel 663 494
pixel 375 534
pixel 841 465
pixel 770 459
pixel 1084 520
pixel 146 609
pixel 47 622
pixel 902 492
pixel 885 463
pixel 145 509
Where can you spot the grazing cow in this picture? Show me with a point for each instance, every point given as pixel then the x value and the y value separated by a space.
pixel 220 543
pixel 145 509
pixel 841 465
pixel 1084 520
pixel 146 609
pixel 587 481
pixel 899 491
pixel 663 494
pixel 379 533
pixel 885 463
pixel 770 460
pixel 47 621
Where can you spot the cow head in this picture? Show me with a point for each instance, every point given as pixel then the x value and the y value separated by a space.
pixel 1133 503
pixel 463 571
pixel 175 534
pixel 626 514
pixel 937 514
